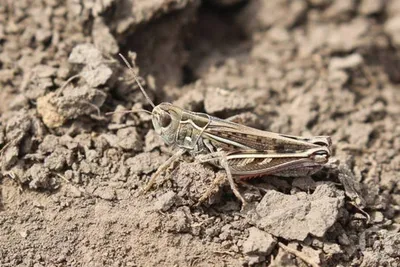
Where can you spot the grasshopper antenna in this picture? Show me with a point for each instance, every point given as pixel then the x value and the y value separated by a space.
pixel 128 112
pixel 137 80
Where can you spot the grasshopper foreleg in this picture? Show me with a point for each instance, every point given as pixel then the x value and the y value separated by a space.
pixel 223 162
pixel 162 168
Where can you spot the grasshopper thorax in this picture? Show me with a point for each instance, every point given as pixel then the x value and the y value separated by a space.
pixel 166 118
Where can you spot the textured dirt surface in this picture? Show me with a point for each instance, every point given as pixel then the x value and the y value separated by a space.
pixel 71 176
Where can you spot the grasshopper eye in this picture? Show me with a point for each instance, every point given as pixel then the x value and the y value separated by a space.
pixel 165 120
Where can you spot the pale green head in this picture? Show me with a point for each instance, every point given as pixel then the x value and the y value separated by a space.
pixel 166 118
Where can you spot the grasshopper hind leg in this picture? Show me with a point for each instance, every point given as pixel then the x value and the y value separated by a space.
pixel 162 168
pixel 223 162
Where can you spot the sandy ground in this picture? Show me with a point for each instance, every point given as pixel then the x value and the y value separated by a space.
pixel 71 176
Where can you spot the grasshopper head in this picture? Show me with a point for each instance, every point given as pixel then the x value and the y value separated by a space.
pixel 166 118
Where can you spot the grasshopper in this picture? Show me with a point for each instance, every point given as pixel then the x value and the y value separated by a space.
pixel 243 152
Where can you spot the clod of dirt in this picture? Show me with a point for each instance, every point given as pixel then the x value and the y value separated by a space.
pixel 391 245
pixel 78 101
pixel 359 134
pixel 332 248
pixel 218 100
pixel 258 243
pixel 304 183
pixel 50 116
pixel 95 71
pixel 194 179
pixel 103 39
pixel 19 102
pixel 350 62
pixel 353 31
pixel 129 139
pixel 192 100
pixel 370 7
pixel 152 141
pixel 392 28
pixel 49 143
pixel 294 217
pixel 253 17
pixel 106 193
pixel 22 132
pixel 338 78
pixel 40 177
pixel 179 221
pixel 59 159
pixel 340 10
pixel 86 54
pixel 386 248
pixel 165 201
pixel 96 76
pixel 145 162
pixel 10 157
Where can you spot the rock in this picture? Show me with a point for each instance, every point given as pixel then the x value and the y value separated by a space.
pixel 294 217
pixel 350 62
pixel 258 243
pixel 166 201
